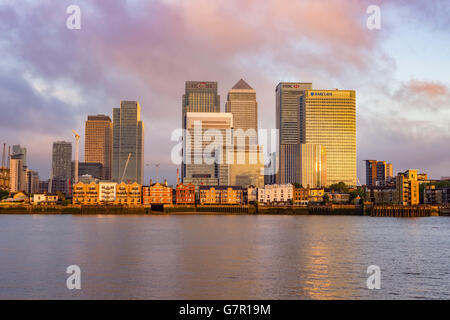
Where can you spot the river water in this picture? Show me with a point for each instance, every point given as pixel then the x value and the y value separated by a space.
pixel 223 257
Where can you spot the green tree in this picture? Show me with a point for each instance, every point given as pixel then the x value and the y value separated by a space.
pixel 61 196
pixel 359 192
pixel 297 185
pixel 340 187
pixel 3 194
pixel 326 198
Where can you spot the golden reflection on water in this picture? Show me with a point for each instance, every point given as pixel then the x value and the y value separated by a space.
pixel 317 285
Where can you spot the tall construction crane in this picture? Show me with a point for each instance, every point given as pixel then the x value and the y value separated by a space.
pixel 126 166
pixel 77 139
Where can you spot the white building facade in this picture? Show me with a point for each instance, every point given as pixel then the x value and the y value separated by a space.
pixel 276 194
pixel 107 191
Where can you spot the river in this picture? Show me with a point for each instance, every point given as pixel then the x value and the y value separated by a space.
pixel 223 257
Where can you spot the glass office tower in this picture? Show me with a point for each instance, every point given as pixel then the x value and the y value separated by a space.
pixel 328 118
pixel 128 143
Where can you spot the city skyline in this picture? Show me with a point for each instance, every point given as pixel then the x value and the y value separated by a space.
pixel 402 106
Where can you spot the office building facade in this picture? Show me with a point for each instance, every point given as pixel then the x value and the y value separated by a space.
pixel 200 141
pixel 17 173
pixel 18 149
pixel 128 143
pixel 246 166
pixel 288 124
pixel 328 118
pixel 62 160
pixel 241 102
pixel 98 143
pixel 199 96
pixel 32 184
pixel 313 166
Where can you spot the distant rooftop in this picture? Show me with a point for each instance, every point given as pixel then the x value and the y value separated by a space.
pixel 241 84
pixel 99 117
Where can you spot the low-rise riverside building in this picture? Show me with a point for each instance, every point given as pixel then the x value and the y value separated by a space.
pixel 86 194
pixel 4 178
pixel 128 194
pixel 185 193
pixel 252 194
pixel 276 194
pixel 381 194
pixel 301 196
pixel 45 198
pixel 221 195
pixel 436 195
pixel 305 196
pixel 107 192
pixel 157 193
pixel 316 195
pixel 407 185
pixel 339 198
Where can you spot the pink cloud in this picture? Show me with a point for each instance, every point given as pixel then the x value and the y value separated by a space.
pixel 431 89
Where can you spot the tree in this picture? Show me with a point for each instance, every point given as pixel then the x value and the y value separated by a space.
pixel 340 187
pixel 61 196
pixel 359 192
pixel 326 198
pixel 297 185
pixel 3 194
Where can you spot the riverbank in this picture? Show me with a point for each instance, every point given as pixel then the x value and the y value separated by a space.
pixel 182 210
pixel 341 210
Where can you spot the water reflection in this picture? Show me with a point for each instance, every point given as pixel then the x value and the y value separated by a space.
pixel 223 257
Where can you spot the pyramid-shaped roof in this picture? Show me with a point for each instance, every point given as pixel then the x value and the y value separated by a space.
pixel 241 84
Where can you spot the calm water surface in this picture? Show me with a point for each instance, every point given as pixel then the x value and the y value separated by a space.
pixel 223 257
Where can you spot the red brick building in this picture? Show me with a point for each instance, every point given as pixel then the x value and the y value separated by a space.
pixel 157 193
pixel 185 194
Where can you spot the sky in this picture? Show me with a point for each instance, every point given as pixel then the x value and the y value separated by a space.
pixel 53 77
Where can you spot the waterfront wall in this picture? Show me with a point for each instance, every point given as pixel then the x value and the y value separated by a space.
pixel 183 209
pixel 375 211
pixel 404 211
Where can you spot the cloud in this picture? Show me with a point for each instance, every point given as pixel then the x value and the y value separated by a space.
pixel 54 77
pixel 424 95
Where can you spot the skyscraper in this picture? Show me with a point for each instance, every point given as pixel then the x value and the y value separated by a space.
pixel 128 143
pixel 17 173
pixel 199 96
pixel 62 160
pixel 98 143
pixel 328 118
pixel 247 166
pixel 18 149
pixel 212 171
pixel 313 166
pixel 32 181
pixel 288 124
pixel 242 104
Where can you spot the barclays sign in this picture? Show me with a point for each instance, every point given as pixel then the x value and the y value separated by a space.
pixel 326 94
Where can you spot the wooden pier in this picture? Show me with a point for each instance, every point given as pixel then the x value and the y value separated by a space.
pixel 404 211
